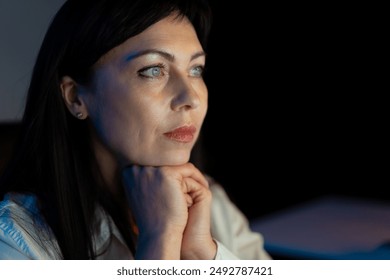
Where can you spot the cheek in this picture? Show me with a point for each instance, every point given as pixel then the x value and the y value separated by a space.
pixel 130 132
pixel 110 117
pixel 204 102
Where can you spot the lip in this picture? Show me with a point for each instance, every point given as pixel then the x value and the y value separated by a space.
pixel 184 134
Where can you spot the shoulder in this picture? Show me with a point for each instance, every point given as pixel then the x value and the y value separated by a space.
pixel 222 207
pixel 15 207
pixel 220 196
pixel 22 229
pixel 215 187
pixel 231 228
pixel 15 221
pixel 16 213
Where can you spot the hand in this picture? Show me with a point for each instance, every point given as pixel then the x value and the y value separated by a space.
pixel 159 198
pixel 197 240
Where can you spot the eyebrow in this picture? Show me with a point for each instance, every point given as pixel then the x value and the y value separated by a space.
pixel 164 54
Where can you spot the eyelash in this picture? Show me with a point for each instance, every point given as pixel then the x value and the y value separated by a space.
pixel 142 71
pixel 162 67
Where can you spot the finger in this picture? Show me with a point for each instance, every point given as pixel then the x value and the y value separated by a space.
pixel 189 200
pixel 189 170
pixel 190 185
pixel 194 189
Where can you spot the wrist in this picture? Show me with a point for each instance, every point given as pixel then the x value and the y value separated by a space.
pixel 207 251
pixel 159 245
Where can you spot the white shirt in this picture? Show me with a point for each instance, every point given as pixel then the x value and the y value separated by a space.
pixel 20 239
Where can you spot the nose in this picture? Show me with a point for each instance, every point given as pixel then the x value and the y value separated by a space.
pixel 185 97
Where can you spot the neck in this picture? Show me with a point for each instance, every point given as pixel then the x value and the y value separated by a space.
pixel 108 167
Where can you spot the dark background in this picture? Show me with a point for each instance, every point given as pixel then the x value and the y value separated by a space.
pixel 291 117
pixel 292 113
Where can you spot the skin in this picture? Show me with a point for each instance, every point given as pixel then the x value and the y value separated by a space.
pixel 147 86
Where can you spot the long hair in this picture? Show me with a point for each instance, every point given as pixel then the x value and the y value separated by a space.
pixel 53 156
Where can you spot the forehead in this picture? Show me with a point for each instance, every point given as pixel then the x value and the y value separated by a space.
pixel 176 34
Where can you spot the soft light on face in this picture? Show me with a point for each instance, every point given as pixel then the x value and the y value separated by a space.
pixel 148 99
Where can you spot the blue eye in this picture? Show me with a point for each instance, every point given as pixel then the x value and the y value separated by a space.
pixel 197 71
pixel 152 72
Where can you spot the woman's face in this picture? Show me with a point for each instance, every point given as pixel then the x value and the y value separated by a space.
pixel 148 100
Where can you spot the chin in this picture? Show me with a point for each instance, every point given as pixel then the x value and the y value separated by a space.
pixel 172 159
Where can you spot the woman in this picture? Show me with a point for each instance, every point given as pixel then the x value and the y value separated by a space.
pixel 114 108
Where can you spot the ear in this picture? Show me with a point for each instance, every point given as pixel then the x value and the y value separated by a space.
pixel 73 101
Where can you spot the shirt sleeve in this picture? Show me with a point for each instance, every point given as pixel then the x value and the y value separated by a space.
pixel 8 252
pixel 20 237
pixel 223 253
pixel 230 228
